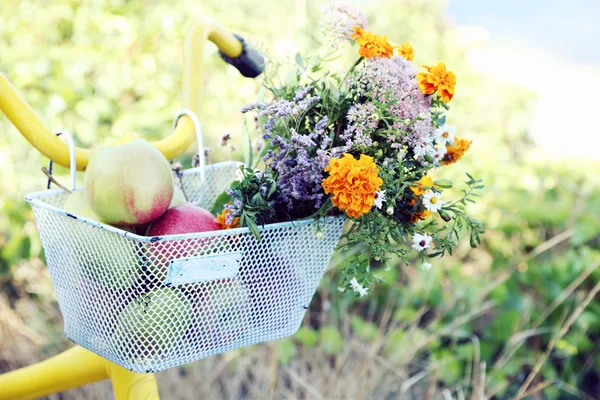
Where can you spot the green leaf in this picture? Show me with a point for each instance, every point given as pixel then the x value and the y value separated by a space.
pixel 585 230
pixel 331 340
pixel 253 227
pixel 299 61
pixel 272 189
pixel 443 183
pixel 287 350
pixel 307 337
pixel 365 329
pixel 247 143
pixel 223 199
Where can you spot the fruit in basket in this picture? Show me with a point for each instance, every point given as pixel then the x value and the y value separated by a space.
pixel 185 218
pixel 128 184
pixel 178 198
pixel 104 257
pixel 231 310
pixel 222 309
pixel 97 306
pixel 277 293
pixel 77 205
pixel 153 323
pixel 111 259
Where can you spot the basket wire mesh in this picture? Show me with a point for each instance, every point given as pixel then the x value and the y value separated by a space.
pixel 151 303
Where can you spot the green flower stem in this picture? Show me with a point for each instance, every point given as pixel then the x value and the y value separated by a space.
pixel 351 70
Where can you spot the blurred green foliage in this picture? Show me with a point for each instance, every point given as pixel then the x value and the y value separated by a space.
pixel 105 69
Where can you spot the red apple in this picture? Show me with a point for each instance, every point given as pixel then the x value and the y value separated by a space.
pixel 221 307
pixel 185 218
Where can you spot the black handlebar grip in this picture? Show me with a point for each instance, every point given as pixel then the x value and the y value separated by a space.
pixel 250 62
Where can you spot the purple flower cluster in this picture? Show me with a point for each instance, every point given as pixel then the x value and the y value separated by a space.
pixel 340 18
pixel 235 208
pixel 393 82
pixel 285 108
pixel 296 159
pixel 299 172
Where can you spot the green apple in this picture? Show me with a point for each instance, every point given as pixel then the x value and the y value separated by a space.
pixel 105 257
pixel 153 323
pixel 178 198
pixel 77 205
pixel 223 308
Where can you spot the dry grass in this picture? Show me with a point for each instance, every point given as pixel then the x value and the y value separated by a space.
pixel 361 370
pixel 381 366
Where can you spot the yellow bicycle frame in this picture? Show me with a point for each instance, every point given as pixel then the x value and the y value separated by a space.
pixel 77 366
pixel 30 126
pixel 73 368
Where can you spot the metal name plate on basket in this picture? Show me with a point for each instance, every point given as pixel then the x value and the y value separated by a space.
pixel 120 297
pixel 204 269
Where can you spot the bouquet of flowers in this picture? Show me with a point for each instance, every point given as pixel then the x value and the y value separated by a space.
pixel 358 142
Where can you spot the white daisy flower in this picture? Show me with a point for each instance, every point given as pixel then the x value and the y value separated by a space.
pixel 439 153
pixel 426 266
pixel 379 199
pixel 445 134
pixel 357 287
pixel 433 200
pixel 421 242
pixel 422 148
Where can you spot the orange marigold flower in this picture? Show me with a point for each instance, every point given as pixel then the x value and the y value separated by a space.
pixel 437 78
pixel 456 151
pixel 425 181
pixel 372 45
pixel 222 220
pixel 406 50
pixel 418 214
pixel 353 183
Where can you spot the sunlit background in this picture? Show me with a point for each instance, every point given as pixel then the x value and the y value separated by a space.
pixel 528 76
pixel 547 47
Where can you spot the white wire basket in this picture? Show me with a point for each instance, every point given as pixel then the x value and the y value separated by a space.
pixel 151 303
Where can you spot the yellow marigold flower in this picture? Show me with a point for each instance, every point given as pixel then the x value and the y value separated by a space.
pixel 353 183
pixel 406 50
pixel 456 151
pixel 425 181
pixel 437 78
pixel 372 45
pixel 222 220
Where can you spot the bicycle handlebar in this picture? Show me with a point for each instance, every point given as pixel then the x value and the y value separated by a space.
pixel 233 50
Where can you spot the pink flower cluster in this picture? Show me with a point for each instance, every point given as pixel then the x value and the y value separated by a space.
pixel 341 18
pixel 362 121
pixel 392 82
